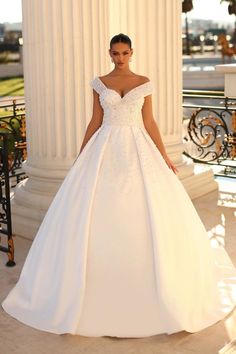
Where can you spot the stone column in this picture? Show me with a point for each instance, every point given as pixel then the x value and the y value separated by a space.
pixel 155 29
pixel 66 44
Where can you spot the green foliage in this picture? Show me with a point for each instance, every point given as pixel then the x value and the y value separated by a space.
pixel 12 86
pixel 12 128
pixel 231 6
pixel 4 57
pixel 187 5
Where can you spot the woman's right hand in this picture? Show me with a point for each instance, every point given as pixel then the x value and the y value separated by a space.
pixel 171 165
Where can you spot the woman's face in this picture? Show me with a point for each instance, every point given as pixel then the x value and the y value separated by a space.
pixel 120 53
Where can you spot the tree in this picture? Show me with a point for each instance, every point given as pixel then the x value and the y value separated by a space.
pixel 232 11
pixel 231 7
pixel 187 5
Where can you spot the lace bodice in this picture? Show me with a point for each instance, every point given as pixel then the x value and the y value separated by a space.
pixel 124 110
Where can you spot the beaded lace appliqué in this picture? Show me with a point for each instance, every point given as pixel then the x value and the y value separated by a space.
pixel 124 110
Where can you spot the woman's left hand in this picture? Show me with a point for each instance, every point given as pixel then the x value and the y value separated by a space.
pixel 170 164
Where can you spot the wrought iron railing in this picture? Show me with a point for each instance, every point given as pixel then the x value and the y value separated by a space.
pixel 210 135
pixel 12 122
pixel 5 200
pixel 12 153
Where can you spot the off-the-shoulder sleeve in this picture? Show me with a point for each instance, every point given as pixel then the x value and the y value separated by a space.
pixel 97 85
pixel 147 88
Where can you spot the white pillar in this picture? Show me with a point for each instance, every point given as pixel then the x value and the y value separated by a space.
pixel 66 44
pixel 155 29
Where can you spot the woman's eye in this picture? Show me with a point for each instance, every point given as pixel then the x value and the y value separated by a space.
pixel 118 53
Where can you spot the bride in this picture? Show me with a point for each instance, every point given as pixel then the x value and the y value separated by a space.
pixel 121 250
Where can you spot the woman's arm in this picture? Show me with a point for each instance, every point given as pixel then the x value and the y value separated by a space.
pixel 153 130
pixel 95 121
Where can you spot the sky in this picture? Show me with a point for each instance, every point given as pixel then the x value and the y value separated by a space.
pixel 211 10
pixel 10 10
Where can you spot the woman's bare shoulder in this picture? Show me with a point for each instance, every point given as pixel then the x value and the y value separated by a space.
pixel 105 76
pixel 143 79
pixel 140 79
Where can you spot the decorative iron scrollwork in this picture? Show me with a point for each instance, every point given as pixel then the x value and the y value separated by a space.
pixel 211 130
pixel 5 201
pixel 16 129
pixel 12 153
pixel 209 133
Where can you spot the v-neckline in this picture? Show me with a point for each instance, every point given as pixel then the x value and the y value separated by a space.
pixel 107 88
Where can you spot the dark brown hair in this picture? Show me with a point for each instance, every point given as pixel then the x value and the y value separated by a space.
pixel 121 37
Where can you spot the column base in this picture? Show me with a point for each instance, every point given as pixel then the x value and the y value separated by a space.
pixel 200 184
pixel 30 202
pixel 197 182
pixel 25 223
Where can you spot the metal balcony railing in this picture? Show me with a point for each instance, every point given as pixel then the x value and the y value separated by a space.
pixel 210 129
pixel 12 154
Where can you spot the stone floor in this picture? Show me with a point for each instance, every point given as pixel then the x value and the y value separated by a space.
pixel 218 211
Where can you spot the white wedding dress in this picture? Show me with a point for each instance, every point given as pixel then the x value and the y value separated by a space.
pixel 121 250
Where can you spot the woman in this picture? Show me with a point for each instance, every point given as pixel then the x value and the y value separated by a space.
pixel 121 250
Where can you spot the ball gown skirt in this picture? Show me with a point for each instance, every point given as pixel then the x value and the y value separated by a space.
pixel 121 250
